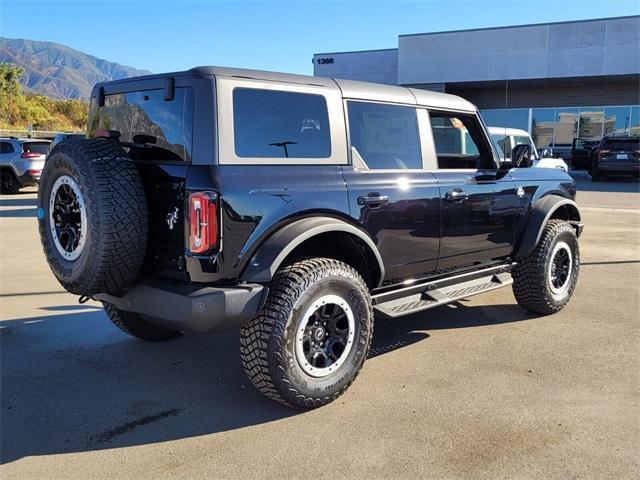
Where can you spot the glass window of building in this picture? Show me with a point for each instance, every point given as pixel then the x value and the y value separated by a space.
pixel 542 126
pixel 511 118
pixel 617 120
pixel 566 126
pixel 634 122
pixel 590 123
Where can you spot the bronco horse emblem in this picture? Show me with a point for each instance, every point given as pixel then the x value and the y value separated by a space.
pixel 172 218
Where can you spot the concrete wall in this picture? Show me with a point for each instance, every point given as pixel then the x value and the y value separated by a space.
pixel 572 49
pixel 379 66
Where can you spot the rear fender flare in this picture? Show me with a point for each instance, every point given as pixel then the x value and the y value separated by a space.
pixel 541 212
pixel 269 256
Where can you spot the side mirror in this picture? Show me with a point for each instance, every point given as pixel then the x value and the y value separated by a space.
pixel 521 156
pixel 546 153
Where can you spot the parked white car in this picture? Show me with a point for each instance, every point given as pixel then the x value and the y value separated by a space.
pixel 506 138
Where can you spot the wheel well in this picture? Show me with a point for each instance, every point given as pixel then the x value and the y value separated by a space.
pixel 565 212
pixel 341 246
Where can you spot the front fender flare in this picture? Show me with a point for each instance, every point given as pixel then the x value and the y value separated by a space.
pixel 540 214
pixel 270 255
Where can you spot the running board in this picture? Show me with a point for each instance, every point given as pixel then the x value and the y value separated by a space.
pixel 434 297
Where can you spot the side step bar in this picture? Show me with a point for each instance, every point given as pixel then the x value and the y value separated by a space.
pixel 433 294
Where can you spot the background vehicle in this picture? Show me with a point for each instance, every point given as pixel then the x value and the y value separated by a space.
pixel 292 207
pixel 560 150
pixel 64 136
pixel 616 156
pixel 21 162
pixel 506 139
pixel 580 153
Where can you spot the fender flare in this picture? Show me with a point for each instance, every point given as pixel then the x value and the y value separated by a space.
pixel 270 255
pixel 540 214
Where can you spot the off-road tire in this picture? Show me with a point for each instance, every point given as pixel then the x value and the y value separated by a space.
pixel 9 182
pixel 136 326
pixel 267 342
pixel 531 285
pixel 116 212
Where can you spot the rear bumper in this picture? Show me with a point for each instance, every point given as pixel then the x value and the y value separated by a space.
pixel 29 179
pixel 200 310
pixel 619 167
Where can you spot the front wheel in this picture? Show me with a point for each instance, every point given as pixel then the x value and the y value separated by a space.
pixel 544 280
pixel 311 338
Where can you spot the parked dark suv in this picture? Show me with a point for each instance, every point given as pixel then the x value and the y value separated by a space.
pixel 294 208
pixel 616 156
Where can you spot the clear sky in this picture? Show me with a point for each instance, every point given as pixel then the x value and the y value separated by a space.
pixel 268 35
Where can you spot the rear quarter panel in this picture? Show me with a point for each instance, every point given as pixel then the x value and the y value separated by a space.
pixel 256 200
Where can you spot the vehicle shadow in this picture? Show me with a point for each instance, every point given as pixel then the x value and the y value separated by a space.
pixel 72 382
pixel 617 184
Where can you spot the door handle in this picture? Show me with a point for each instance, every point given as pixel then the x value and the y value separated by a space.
pixel 456 195
pixel 373 199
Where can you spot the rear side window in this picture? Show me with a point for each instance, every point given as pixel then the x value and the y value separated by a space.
pixel 151 127
pixel 385 136
pixel 35 147
pixel 277 124
pixel 6 147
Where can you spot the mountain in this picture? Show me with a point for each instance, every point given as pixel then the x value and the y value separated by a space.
pixel 59 71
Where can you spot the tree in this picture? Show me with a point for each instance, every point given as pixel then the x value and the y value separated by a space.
pixel 12 100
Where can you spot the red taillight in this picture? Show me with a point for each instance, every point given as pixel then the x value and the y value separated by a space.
pixel 603 152
pixel 30 155
pixel 34 172
pixel 203 222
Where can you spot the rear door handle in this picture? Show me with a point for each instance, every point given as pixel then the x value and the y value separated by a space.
pixel 373 198
pixel 456 195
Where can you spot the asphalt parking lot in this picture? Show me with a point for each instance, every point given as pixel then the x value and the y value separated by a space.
pixel 476 389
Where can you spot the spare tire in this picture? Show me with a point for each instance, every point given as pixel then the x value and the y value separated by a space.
pixel 92 215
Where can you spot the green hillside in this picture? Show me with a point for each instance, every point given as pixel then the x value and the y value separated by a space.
pixel 19 110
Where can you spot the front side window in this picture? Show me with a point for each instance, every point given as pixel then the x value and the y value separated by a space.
pixel 151 127
pixel 278 124
pixel 458 140
pixel 385 136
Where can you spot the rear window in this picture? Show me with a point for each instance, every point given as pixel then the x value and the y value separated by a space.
pixel 152 128
pixel 35 147
pixel 276 124
pixel 622 143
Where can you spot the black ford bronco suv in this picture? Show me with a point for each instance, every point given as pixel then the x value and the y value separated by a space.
pixel 294 208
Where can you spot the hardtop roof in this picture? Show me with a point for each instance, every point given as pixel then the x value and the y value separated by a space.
pixel 349 88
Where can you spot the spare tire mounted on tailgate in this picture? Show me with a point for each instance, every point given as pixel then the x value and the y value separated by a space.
pixel 92 215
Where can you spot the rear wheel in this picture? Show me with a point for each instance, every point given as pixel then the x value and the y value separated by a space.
pixel 596 175
pixel 544 280
pixel 310 340
pixel 10 184
pixel 136 326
